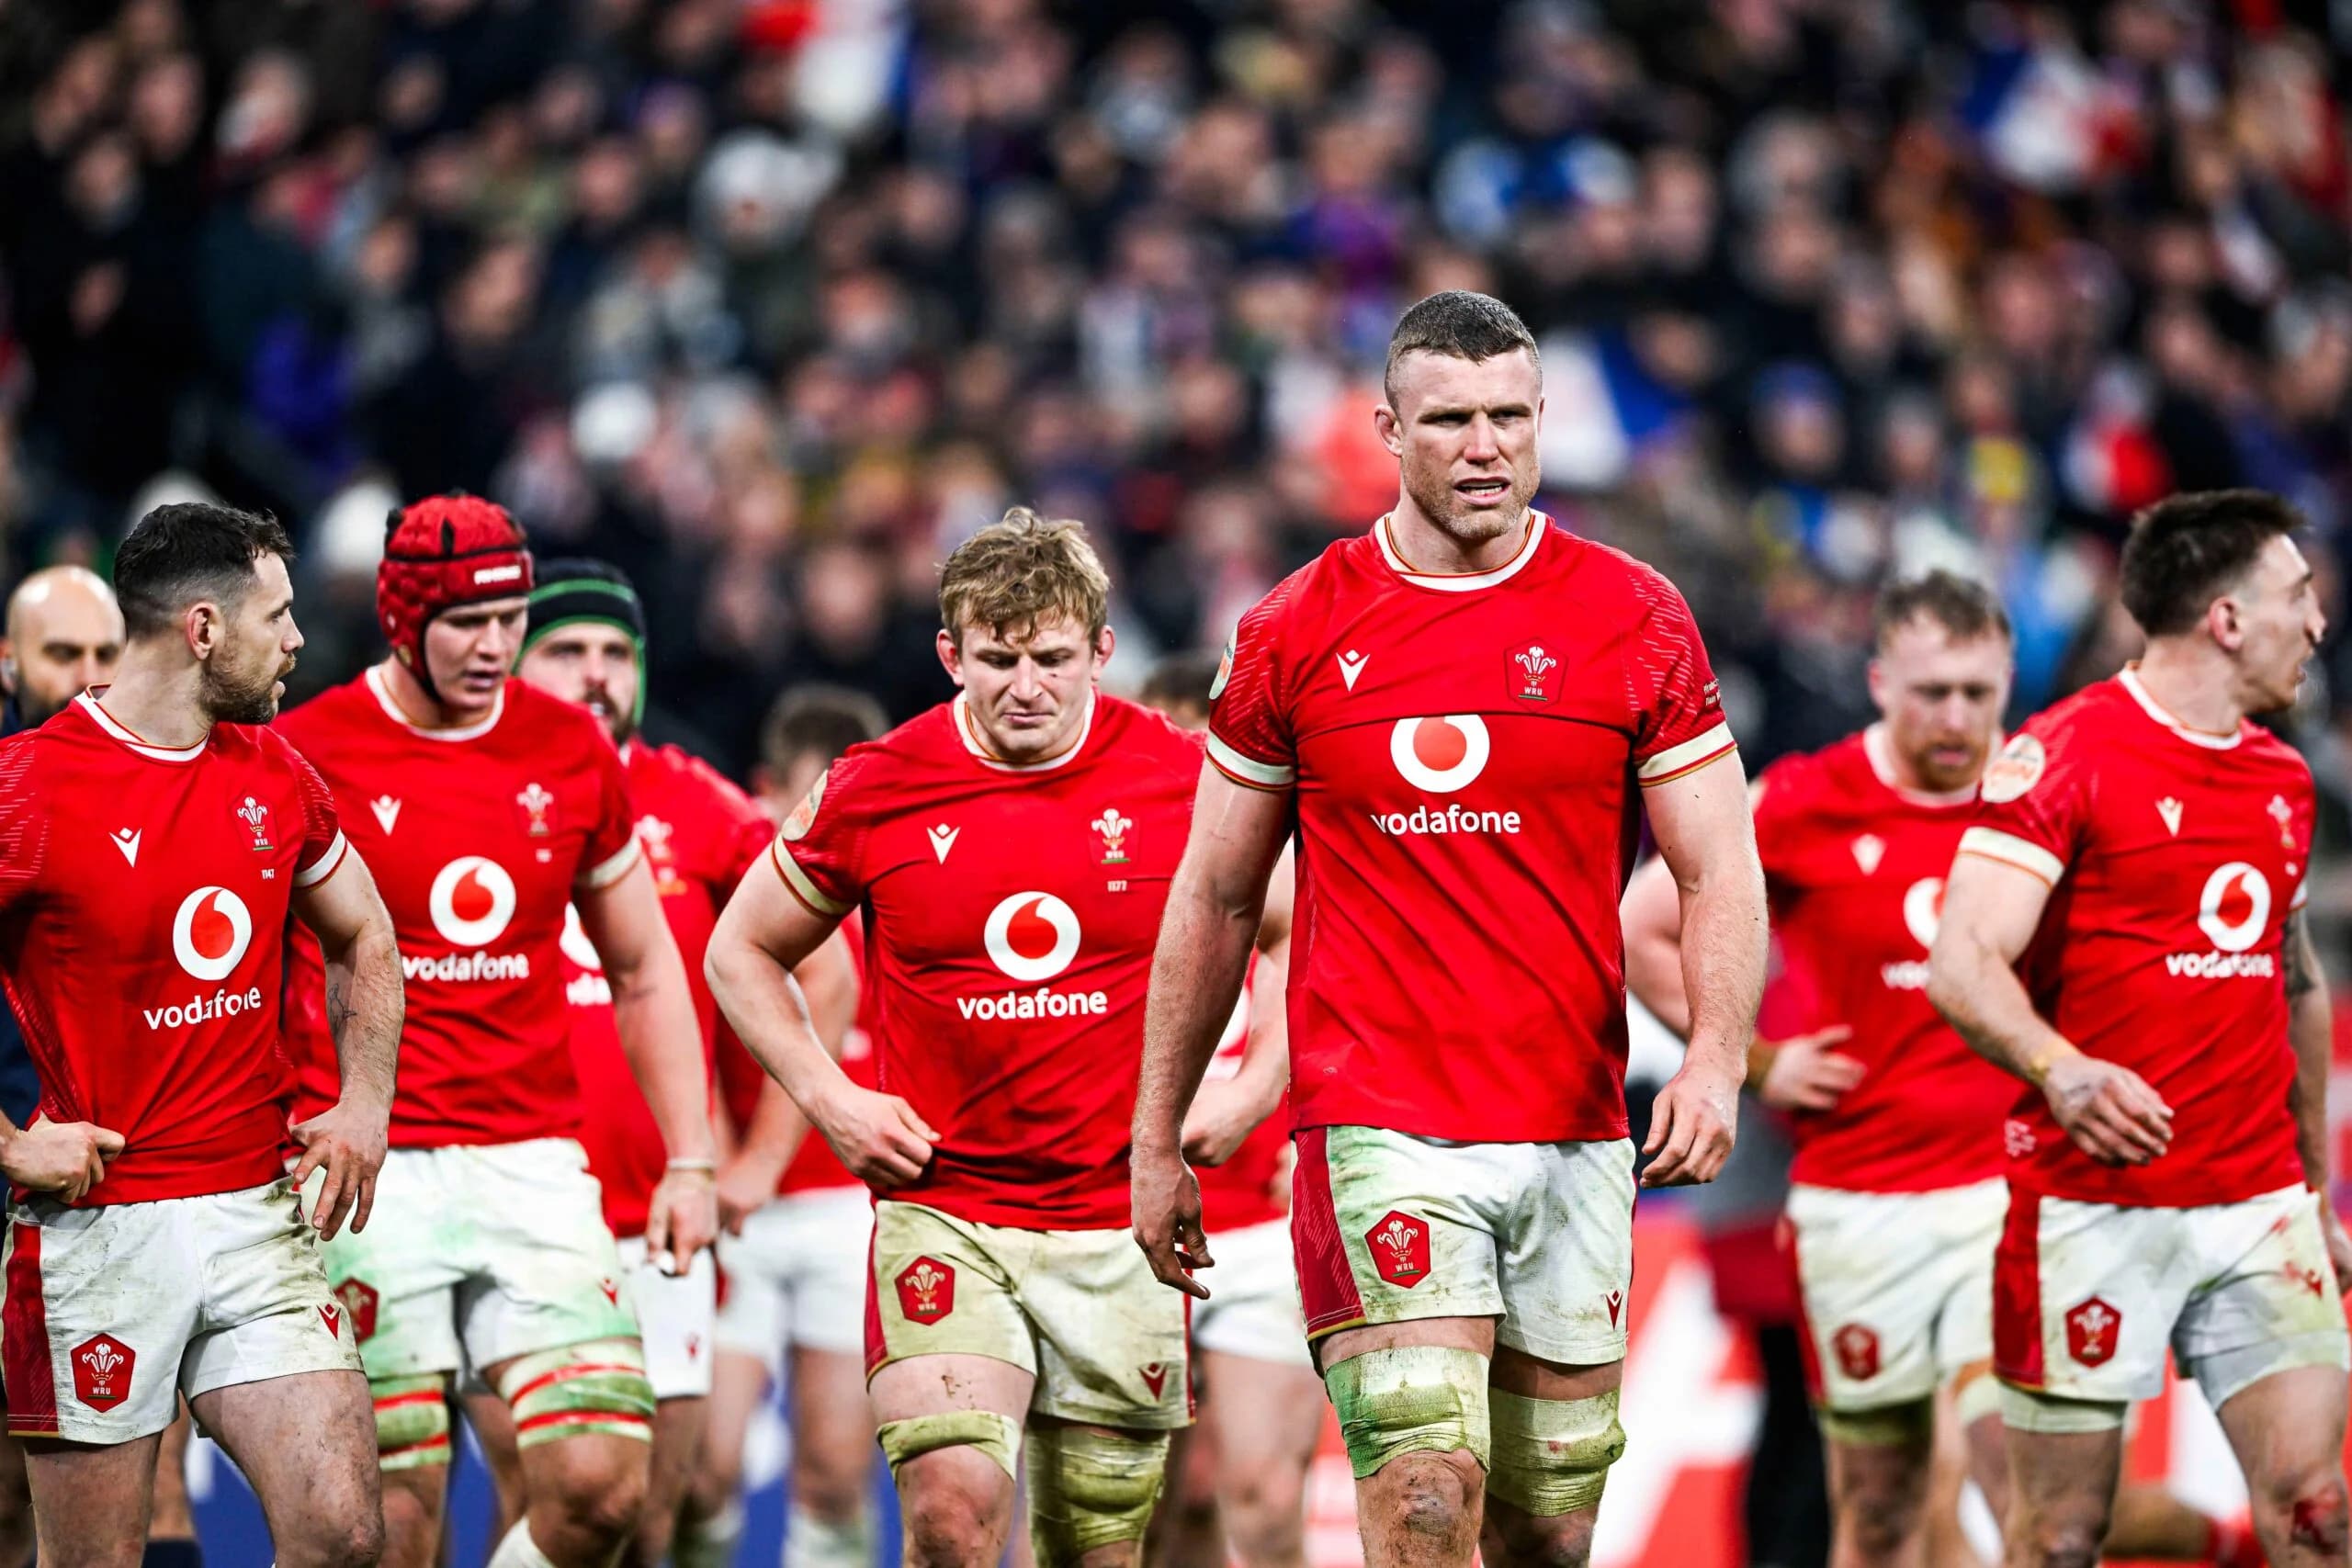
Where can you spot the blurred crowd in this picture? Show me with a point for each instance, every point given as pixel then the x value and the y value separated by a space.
pixel 772 301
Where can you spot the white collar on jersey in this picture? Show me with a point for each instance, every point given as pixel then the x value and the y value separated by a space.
pixel 1881 753
pixel 2129 681
pixel 131 740
pixel 1465 582
pixel 972 742
pixel 469 732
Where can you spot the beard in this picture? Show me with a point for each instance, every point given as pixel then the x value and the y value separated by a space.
pixel 232 697
pixel 1433 494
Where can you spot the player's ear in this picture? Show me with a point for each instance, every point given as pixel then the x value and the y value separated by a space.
pixel 2222 620
pixel 1878 684
pixel 951 657
pixel 1105 642
pixel 1390 429
pixel 201 624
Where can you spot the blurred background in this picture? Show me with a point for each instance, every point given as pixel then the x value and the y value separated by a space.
pixel 773 301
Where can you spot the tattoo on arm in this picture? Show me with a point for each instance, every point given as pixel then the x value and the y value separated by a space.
pixel 340 1012
pixel 2302 962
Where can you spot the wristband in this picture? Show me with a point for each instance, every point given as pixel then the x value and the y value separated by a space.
pixel 2038 1066
pixel 707 1167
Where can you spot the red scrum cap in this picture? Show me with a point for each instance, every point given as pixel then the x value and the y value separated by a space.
pixel 440 552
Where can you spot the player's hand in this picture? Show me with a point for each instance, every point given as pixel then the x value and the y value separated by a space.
pixel 1224 1113
pixel 2109 1110
pixel 64 1157
pixel 877 1136
pixel 2339 1246
pixel 1692 1122
pixel 1164 1199
pixel 746 1181
pixel 347 1142
pixel 680 1220
pixel 1804 1073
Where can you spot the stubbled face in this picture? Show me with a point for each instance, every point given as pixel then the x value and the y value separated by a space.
pixel 1942 698
pixel 1464 435
pixel 245 679
pixel 67 638
pixel 1026 691
pixel 2275 618
pixel 594 667
pixel 470 650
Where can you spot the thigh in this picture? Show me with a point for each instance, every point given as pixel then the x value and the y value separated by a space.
pixel 395 1281
pixel 2286 1428
pixel 2085 1296
pixel 1388 1230
pixel 1263 1420
pixel 306 1443
pixel 833 1419
pixel 938 1287
pixel 545 1272
pixel 919 1386
pixel 1567 1247
pixel 674 1317
pixel 100 1306
pixel 91 1503
pixel 1111 1342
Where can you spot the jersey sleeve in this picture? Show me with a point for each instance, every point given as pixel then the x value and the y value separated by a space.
pixel 1679 725
pixel 820 850
pixel 2035 802
pixel 612 847
pixel 1250 738
pixel 323 847
pixel 24 826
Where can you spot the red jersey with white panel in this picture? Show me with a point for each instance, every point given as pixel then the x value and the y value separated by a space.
pixel 1253 1187
pixel 478 836
pixel 1009 918
pixel 1468 753
pixel 1855 865
pixel 699 834
pixel 2174 858
pixel 145 892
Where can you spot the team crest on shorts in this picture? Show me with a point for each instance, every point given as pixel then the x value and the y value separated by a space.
pixel 1856 1349
pixel 1399 1246
pixel 359 1299
pixel 103 1368
pixel 2092 1329
pixel 926 1291
pixel 1532 672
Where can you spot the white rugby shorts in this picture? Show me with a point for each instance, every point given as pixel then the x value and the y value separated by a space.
pixel 1897 1287
pixel 797 1275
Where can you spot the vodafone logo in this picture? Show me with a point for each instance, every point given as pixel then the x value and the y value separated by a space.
pixel 1031 936
pixel 1922 909
pixel 2235 906
pixel 1440 753
pixel 210 933
pixel 472 900
pixel 575 943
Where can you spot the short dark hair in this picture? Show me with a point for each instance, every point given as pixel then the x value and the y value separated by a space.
pixel 1181 677
pixel 818 718
pixel 186 552
pixel 1461 325
pixel 2186 550
pixel 1964 607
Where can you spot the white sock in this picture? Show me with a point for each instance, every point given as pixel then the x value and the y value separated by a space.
pixel 810 1542
pixel 518 1550
pixel 711 1542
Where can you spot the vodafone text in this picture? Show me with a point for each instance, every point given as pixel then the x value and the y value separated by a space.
pixel 204 1009
pixel 1043 1002
pixel 1911 976
pixel 463 966
pixel 2221 965
pixel 1455 818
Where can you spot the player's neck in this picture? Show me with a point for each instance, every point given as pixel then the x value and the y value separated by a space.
pixel 419 708
pixel 1429 550
pixel 2192 681
pixel 154 697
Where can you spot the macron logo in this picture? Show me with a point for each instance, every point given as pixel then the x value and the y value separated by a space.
pixel 943 838
pixel 488 574
pixel 2169 809
pixel 387 811
pixel 1351 665
pixel 126 841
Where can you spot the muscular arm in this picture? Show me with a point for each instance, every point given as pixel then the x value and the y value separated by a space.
pixel 762 937
pixel 364 1006
pixel 2311 1029
pixel 654 1015
pixel 1224 1115
pixel 1213 917
pixel 1991 910
pixel 1708 843
pixel 828 982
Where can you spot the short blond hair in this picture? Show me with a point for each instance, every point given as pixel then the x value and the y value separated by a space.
pixel 1024 569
